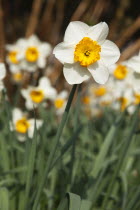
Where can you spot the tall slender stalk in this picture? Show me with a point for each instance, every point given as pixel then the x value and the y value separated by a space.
pixel 33 20
pixel 74 142
pixel 56 142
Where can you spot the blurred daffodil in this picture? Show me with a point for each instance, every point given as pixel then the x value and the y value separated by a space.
pixel 60 102
pixel 34 53
pixel 22 125
pixel 36 95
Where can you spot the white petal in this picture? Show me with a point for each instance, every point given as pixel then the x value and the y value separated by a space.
pixel 75 31
pixel 50 93
pixel 41 62
pixel 21 42
pixel 63 94
pixel 21 137
pixel 64 52
pixel 25 93
pixel 45 49
pixel 30 105
pixel 99 72
pixel 98 32
pixel 110 53
pixel 14 68
pixel 32 126
pixel 33 40
pixel 44 82
pixel 1 85
pixel 134 63
pixel 17 114
pixel 2 70
pixel 136 81
pixel 75 74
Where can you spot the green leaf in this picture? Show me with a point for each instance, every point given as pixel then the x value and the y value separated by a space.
pixel 74 202
pixel 4 199
pixel 99 162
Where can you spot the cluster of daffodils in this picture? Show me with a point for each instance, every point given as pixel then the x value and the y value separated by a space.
pixel 27 55
pixel 85 53
pixel 41 95
pixel 120 92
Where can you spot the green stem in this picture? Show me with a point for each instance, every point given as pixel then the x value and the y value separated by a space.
pixel 76 119
pixel 52 154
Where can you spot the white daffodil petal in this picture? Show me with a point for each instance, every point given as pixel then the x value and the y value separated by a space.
pixel 75 31
pixel 100 73
pixel 30 105
pixel 25 93
pixel 2 70
pixel 44 82
pixel 1 85
pixel 98 32
pixel 110 53
pixel 63 94
pixel 41 62
pixel 17 114
pixel 32 126
pixel 64 52
pixel 75 74
pixel 136 81
pixel 134 63
pixel 21 43
pixel 45 49
pixel 50 93
pixel 33 40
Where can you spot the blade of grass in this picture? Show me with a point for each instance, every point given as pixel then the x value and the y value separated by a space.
pixel 30 167
pixel 4 199
pixel 105 147
pixel 123 152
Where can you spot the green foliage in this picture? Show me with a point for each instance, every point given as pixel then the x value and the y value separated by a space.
pixel 97 160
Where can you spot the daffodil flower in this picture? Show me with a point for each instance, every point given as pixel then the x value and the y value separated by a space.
pixel 22 125
pixel 60 102
pixel 85 52
pixel 13 56
pixel 34 53
pixel 36 95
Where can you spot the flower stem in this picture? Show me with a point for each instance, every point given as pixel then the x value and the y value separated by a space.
pixel 56 142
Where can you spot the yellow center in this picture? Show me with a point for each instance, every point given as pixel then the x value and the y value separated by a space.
pixel 137 99
pixel 86 100
pixel 32 54
pixel 22 125
pixel 101 91
pixel 59 103
pixel 37 96
pixel 13 57
pixel 123 101
pixel 120 72
pixel 17 76
pixel 87 52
